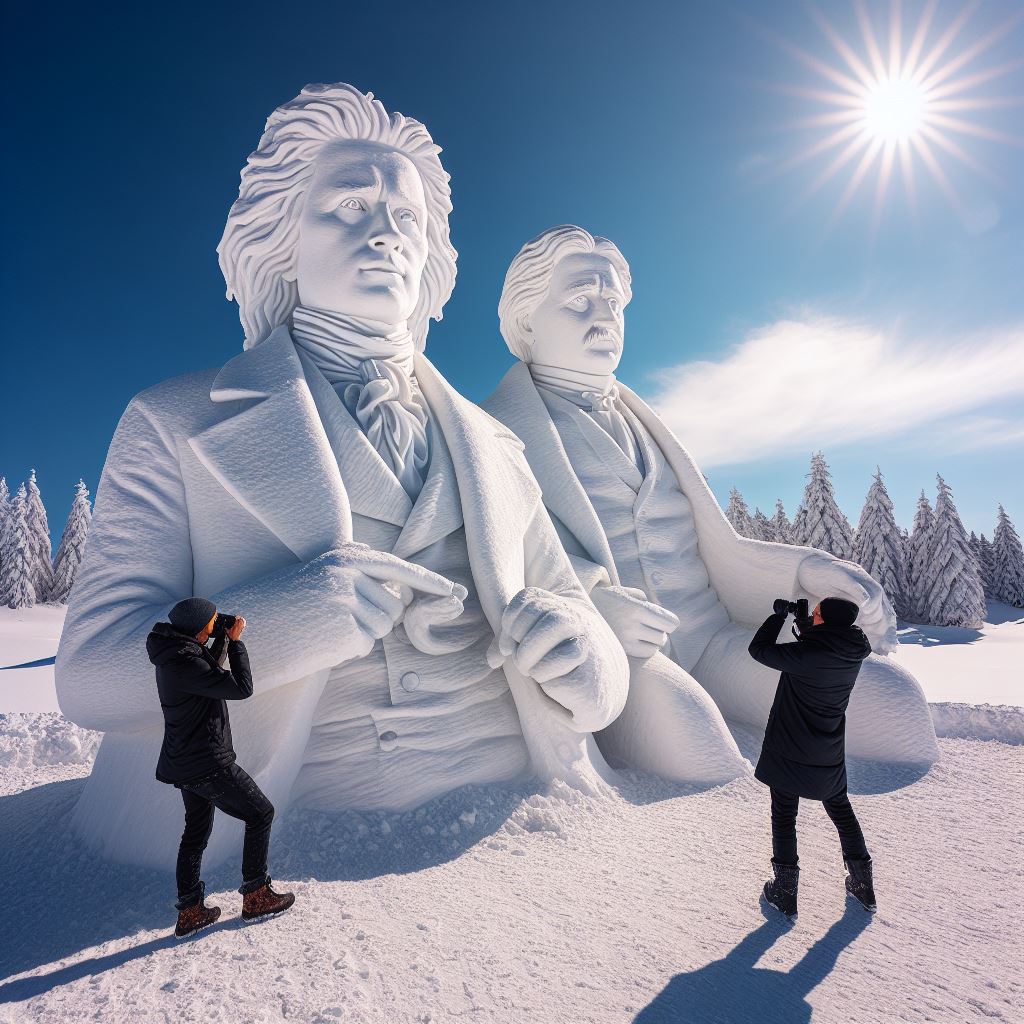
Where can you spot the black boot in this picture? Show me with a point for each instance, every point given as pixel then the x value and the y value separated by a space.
pixel 859 883
pixel 781 891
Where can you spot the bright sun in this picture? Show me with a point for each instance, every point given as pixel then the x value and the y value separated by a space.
pixel 896 100
pixel 895 109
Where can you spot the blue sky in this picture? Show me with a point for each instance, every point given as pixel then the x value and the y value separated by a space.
pixel 763 325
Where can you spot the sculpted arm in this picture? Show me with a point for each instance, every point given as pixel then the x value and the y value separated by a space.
pixel 138 562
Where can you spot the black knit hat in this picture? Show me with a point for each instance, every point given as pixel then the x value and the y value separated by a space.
pixel 836 611
pixel 192 614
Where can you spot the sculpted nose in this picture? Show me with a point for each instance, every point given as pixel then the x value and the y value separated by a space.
pixel 386 236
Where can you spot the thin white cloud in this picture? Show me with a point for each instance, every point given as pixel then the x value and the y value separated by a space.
pixel 799 385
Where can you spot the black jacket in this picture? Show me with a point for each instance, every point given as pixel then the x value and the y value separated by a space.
pixel 193 692
pixel 804 751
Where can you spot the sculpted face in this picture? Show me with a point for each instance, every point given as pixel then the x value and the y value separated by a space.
pixel 363 233
pixel 579 324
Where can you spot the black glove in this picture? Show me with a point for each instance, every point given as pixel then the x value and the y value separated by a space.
pixel 781 606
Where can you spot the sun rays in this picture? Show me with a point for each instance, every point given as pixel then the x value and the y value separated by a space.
pixel 899 103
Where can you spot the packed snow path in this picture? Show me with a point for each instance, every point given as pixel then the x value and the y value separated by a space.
pixel 509 907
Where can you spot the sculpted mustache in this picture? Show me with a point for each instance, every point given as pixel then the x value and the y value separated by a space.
pixel 598 333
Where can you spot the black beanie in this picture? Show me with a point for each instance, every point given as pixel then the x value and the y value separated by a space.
pixel 836 611
pixel 192 614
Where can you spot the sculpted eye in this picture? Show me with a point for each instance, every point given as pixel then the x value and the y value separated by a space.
pixel 614 305
pixel 351 203
pixel 406 215
pixel 580 302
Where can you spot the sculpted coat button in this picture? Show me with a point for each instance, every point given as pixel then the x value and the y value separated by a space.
pixel 388 740
pixel 410 680
pixel 656 578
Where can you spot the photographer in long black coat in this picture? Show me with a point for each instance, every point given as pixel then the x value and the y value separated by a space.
pixel 804 750
pixel 198 758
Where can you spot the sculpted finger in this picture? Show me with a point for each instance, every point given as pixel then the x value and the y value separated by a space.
pixel 380 597
pixel 659 618
pixel 396 570
pixel 372 620
pixel 543 636
pixel 568 655
pixel 647 634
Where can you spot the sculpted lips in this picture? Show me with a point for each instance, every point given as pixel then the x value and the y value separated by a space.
pixel 388 269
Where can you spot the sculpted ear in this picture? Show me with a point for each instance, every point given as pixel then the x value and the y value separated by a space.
pixel 524 323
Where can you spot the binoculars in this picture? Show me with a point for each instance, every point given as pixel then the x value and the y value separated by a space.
pixel 798 609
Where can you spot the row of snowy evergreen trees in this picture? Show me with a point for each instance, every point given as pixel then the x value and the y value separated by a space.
pixel 28 574
pixel 934 574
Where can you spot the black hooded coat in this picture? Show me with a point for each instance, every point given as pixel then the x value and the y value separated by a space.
pixel 194 689
pixel 804 750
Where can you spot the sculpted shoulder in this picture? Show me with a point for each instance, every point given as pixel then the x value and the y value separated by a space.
pixel 181 405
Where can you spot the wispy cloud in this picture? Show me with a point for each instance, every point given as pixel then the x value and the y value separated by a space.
pixel 797 385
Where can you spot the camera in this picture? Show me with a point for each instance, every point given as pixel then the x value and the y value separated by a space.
pixel 225 622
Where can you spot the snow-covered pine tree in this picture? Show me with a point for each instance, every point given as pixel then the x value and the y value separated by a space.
pixel 878 546
pixel 5 511
pixel 739 515
pixel 954 593
pixel 919 560
pixel 821 523
pixel 986 557
pixel 762 526
pixel 19 592
pixel 72 546
pixel 781 526
pixel 39 540
pixel 1007 563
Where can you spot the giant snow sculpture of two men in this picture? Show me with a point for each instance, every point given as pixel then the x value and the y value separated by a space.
pixel 414 622
pixel 635 512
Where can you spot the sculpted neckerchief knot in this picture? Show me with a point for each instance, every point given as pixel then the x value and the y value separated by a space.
pixel 604 407
pixel 372 374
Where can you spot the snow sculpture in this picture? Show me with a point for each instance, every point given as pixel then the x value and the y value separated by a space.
pixel 626 497
pixel 414 623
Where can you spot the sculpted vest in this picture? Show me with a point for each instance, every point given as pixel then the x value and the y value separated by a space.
pixel 399 727
pixel 648 522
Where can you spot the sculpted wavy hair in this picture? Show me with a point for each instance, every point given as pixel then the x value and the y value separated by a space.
pixel 258 251
pixel 529 274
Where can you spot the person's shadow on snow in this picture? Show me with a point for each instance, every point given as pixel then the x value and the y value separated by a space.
pixel 733 989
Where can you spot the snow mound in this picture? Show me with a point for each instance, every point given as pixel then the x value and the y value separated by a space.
pixel 32 740
pixel 979 722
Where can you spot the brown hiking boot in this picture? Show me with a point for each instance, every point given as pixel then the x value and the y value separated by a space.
pixel 191 919
pixel 264 902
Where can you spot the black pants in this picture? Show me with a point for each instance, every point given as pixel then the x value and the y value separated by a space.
pixel 784 810
pixel 234 792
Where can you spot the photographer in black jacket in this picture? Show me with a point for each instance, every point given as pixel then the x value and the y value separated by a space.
pixel 197 756
pixel 804 750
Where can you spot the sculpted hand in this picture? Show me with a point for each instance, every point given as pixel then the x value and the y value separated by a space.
pixel 549 639
pixel 821 575
pixel 641 626
pixel 426 620
pixel 366 592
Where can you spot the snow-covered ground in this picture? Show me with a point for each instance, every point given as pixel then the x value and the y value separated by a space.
pixel 971 666
pixel 515 906
pixel 29 638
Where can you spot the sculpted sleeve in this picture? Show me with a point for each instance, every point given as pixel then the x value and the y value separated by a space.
pixel 138 562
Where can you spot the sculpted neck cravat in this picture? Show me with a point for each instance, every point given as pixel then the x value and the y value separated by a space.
pixel 597 395
pixel 372 374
